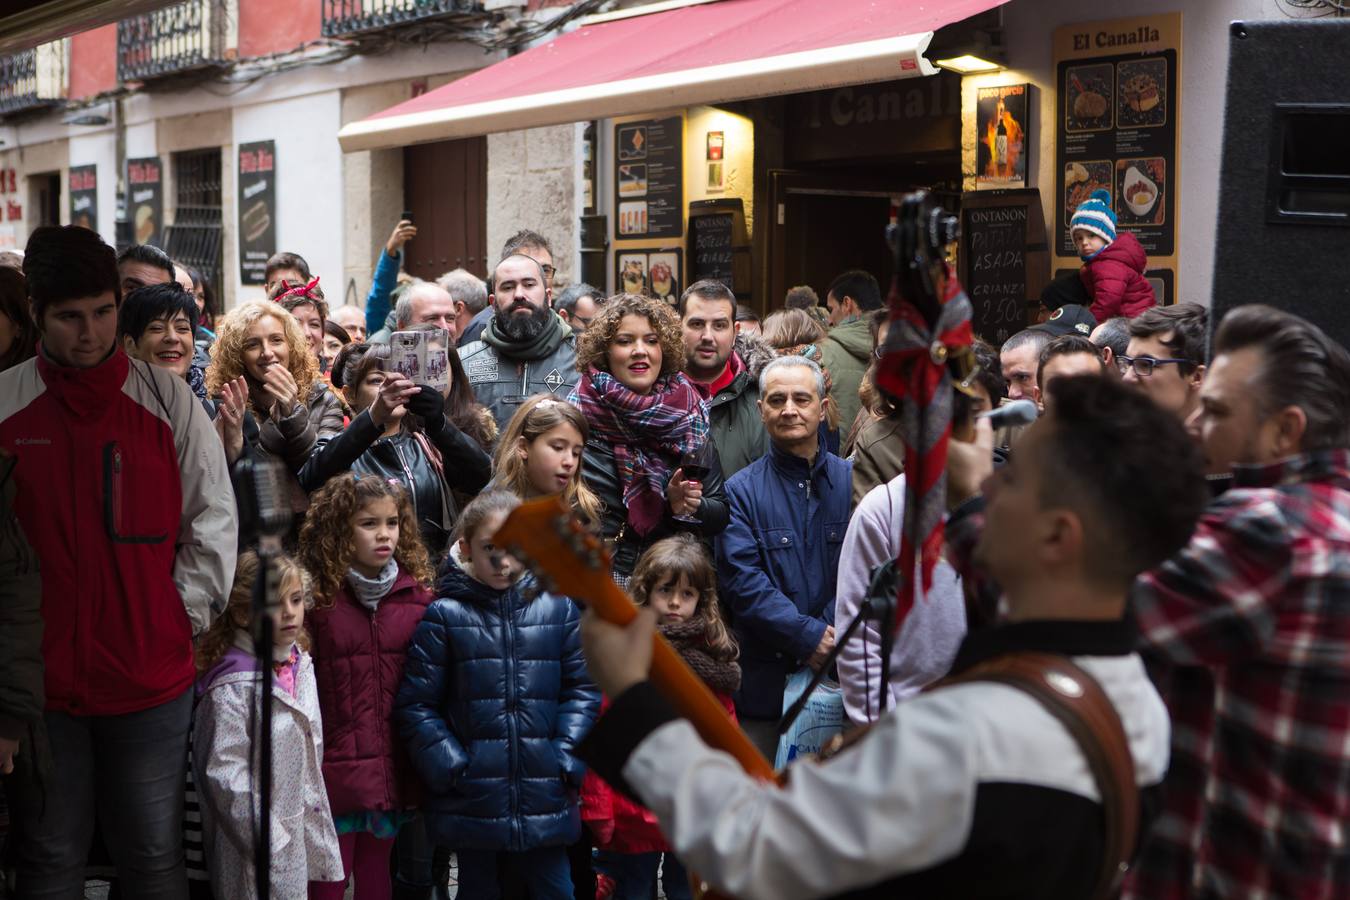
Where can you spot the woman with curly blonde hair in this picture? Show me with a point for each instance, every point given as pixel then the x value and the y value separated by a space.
pixel 261 362
pixel 647 421
pixel 372 584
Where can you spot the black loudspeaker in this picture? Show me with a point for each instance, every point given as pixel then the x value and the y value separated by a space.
pixel 1283 235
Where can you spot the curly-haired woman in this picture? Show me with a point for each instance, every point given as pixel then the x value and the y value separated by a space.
pixel 261 361
pixel 645 415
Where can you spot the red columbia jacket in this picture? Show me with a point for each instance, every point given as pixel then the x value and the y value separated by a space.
pixel 1115 279
pixel 124 493
pixel 358 663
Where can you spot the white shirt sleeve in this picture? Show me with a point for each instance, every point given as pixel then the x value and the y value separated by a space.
pixel 901 800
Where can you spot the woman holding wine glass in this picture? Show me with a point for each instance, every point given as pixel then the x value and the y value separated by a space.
pixel 650 458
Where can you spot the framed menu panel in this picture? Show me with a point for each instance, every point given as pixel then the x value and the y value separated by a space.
pixel 649 179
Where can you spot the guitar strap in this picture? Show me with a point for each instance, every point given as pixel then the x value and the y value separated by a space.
pixel 1078 702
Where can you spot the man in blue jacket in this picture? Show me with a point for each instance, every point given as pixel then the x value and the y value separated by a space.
pixel 777 560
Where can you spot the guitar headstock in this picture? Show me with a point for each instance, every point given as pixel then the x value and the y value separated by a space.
pixel 566 557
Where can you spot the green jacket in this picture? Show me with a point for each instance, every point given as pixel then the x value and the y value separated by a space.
pixel 737 429
pixel 21 690
pixel 845 353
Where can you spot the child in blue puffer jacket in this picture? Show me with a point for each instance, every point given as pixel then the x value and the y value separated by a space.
pixel 495 696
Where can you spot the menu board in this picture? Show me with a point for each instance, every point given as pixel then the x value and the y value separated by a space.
pixel 84 196
pixel 257 209
pixel 653 273
pixel 711 237
pixel 1002 258
pixel 145 178
pixel 649 178
pixel 1117 105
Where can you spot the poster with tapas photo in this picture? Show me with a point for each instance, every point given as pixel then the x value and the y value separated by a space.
pixel 257 209
pixel 652 273
pixel 1002 136
pixel 145 184
pixel 649 178
pixel 1117 99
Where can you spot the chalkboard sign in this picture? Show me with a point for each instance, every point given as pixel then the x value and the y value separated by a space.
pixel 712 240
pixel 1004 260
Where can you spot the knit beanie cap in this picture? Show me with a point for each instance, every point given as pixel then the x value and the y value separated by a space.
pixel 1094 215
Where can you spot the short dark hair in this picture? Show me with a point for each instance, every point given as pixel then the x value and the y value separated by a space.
pixel 567 300
pixel 149 255
pixel 746 313
pixel 1187 323
pixel 859 285
pixel 68 262
pixel 151 303
pixel 990 374
pixel 1101 460
pixel 1114 333
pixel 1067 345
pixel 286 260
pixel 334 330
pixel 707 289
pixel 522 239
pixel 801 296
pixel 1036 337
pixel 1300 366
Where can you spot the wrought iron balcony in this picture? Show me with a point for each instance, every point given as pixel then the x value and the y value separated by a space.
pixel 179 38
pixel 34 79
pixel 351 17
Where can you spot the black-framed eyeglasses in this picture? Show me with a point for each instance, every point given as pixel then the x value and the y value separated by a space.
pixel 1144 365
pixel 547 270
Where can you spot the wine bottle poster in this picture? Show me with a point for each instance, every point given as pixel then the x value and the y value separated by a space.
pixel 1003 136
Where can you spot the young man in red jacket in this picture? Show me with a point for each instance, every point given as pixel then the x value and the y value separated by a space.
pixel 123 491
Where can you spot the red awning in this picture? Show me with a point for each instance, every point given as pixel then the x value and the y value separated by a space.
pixel 708 53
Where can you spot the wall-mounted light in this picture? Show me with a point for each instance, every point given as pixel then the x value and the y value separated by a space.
pixel 98 114
pixel 969 64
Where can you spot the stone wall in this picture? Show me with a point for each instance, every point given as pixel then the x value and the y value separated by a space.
pixel 532 182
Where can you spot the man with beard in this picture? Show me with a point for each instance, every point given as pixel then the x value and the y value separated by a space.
pixel 725 368
pixel 526 348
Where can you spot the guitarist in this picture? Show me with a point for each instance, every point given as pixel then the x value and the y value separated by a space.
pixel 975 788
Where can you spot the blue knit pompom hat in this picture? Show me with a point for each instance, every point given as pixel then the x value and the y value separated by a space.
pixel 1094 215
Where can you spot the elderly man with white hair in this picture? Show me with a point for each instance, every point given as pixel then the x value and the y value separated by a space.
pixel 778 559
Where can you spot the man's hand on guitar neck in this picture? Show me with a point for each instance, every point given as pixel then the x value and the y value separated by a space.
pixel 618 657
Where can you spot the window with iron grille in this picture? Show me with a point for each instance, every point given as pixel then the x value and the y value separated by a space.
pixel 196 237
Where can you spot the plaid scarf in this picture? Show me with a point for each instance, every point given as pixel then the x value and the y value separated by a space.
pixel 647 432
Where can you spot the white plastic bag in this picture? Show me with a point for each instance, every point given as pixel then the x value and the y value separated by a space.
pixel 821 719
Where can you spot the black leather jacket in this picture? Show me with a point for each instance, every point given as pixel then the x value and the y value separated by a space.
pixel 600 469
pixel 361 449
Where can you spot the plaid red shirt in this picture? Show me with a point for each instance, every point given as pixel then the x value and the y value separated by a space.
pixel 1252 623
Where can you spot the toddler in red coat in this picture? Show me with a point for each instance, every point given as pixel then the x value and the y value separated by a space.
pixel 1113 263
pixel 676 578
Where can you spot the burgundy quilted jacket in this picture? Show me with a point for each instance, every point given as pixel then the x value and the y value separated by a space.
pixel 1115 279
pixel 358 663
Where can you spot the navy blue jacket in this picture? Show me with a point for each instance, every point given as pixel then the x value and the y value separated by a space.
pixel 776 566
pixel 495 697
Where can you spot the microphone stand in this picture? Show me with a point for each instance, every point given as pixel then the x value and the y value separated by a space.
pixel 266 590
pixel 878 603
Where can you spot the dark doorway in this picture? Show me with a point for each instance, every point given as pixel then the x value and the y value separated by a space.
pixel 829 233
pixel 46 198
pixel 445 188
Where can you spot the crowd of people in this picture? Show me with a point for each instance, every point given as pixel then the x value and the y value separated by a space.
pixel 1177 522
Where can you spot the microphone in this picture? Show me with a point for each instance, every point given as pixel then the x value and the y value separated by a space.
pixel 261 494
pixel 1018 412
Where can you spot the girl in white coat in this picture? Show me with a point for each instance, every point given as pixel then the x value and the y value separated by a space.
pixel 225 761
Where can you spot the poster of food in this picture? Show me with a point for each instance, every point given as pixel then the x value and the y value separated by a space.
pixel 84 196
pixel 1003 136
pixel 145 180
pixel 653 273
pixel 257 209
pixel 1117 98
pixel 649 178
